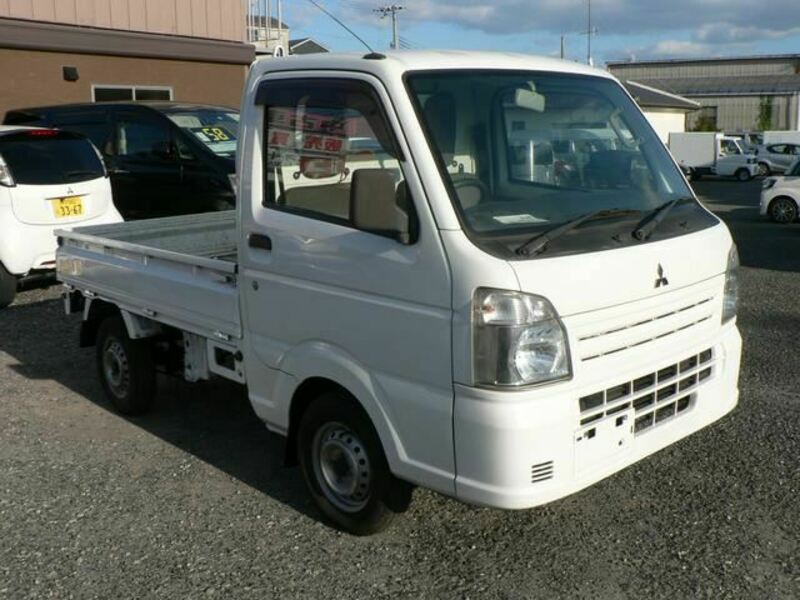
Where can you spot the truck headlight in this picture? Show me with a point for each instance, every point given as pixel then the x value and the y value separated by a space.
pixel 518 339
pixel 730 299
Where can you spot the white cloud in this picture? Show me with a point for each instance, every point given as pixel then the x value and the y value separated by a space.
pixel 737 20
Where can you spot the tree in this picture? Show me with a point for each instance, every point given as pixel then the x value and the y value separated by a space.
pixel 764 122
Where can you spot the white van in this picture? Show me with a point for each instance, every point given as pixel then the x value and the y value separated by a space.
pixel 48 179
pixel 418 309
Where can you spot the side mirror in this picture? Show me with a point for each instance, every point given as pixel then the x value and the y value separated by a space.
pixel 374 205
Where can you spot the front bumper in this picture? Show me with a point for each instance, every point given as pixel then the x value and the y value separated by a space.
pixel 517 450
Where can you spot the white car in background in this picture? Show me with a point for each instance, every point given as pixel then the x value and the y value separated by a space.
pixel 776 158
pixel 780 196
pixel 49 179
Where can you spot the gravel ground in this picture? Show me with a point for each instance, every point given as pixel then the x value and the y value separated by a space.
pixel 193 501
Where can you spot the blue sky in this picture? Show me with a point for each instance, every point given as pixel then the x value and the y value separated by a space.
pixel 626 28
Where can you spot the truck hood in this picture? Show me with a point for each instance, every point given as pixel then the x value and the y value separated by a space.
pixel 589 282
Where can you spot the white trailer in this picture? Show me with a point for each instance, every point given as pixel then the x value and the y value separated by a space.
pixel 710 153
pixel 417 312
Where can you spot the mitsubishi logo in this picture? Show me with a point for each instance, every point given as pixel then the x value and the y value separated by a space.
pixel 69 191
pixel 661 280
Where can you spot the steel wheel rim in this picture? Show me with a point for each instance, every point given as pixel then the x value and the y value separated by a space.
pixel 783 211
pixel 744 175
pixel 763 169
pixel 116 368
pixel 342 467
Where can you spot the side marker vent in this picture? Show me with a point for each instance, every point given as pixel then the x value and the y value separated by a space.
pixel 542 472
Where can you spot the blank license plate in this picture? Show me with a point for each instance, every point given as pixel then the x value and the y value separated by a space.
pixel 64 208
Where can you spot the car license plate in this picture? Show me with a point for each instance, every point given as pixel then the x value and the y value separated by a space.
pixel 71 206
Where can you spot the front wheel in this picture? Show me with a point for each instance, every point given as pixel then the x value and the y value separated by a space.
pixel 126 368
pixel 344 466
pixel 743 175
pixel 783 210
pixel 764 170
pixel 8 287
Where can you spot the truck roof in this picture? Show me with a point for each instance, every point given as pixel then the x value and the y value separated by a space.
pixel 399 62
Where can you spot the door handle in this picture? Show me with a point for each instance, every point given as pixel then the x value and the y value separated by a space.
pixel 259 241
pixel 113 171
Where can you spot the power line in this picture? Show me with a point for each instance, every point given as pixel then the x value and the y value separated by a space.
pixel 385 11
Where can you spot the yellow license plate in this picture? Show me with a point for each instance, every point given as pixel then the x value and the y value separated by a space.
pixel 64 208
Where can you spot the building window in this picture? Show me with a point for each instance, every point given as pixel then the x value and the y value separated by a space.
pixel 115 93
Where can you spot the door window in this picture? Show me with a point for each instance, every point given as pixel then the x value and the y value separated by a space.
pixel 144 140
pixel 328 142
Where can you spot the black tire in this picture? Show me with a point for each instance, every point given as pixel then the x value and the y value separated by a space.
pixel 783 210
pixel 125 367
pixel 338 446
pixel 764 170
pixel 743 175
pixel 8 287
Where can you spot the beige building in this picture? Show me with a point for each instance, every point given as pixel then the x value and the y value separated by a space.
pixel 60 51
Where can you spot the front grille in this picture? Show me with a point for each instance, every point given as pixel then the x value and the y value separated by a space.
pixel 645 330
pixel 654 397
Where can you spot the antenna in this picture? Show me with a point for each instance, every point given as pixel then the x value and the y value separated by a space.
pixel 345 27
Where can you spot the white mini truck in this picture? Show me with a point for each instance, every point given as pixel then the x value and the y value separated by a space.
pixel 408 305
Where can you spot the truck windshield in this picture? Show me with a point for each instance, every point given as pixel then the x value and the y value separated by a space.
pixel 522 152
pixel 215 129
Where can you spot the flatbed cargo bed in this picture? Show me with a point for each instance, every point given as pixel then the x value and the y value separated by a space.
pixel 180 271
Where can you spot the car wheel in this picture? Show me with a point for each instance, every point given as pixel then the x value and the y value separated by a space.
pixel 783 210
pixel 345 468
pixel 126 368
pixel 8 287
pixel 743 175
pixel 764 170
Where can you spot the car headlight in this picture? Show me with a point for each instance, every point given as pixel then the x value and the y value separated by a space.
pixel 768 184
pixel 518 339
pixel 730 299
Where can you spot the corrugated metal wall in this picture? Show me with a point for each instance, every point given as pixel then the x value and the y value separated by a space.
pixel 740 113
pixel 214 19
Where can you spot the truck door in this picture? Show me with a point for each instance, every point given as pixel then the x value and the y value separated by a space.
pixel 326 293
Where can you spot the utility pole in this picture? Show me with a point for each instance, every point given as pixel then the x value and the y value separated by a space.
pixel 563 45
pixel 392 10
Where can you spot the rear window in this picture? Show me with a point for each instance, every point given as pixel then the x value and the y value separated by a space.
pixel 46 157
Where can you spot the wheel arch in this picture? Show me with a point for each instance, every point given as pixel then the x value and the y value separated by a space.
pixel 318 368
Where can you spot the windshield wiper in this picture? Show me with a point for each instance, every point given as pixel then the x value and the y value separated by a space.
pixel 538 244
pixel 648 225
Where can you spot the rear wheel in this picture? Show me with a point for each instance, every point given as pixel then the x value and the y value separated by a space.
pixel 8 287
pixel 743 175
pixel 783 210
pixel 344 466
pixel 126 368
